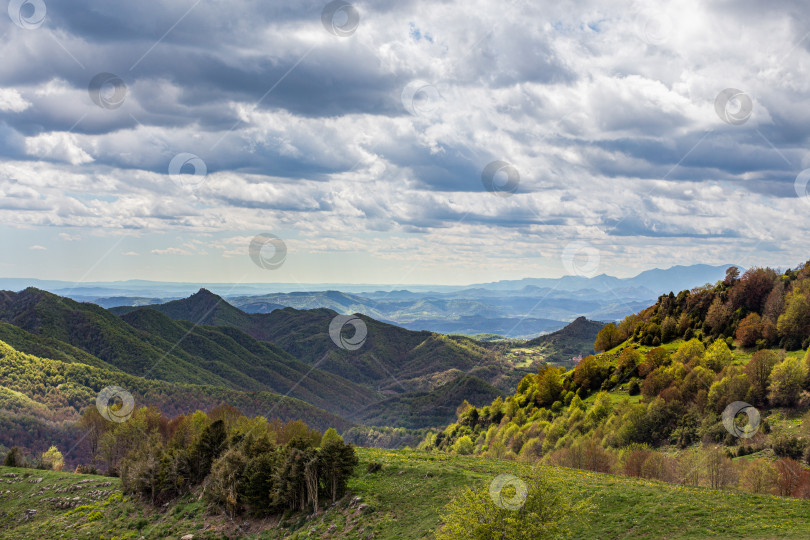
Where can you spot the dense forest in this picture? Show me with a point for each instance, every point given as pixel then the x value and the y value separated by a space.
pixel 659 401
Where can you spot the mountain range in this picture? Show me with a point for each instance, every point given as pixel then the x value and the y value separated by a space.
pixel 522 308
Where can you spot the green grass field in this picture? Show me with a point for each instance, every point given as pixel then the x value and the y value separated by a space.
pixel 400 501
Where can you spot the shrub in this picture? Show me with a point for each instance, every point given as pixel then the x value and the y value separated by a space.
pixel 544 513
pixel 788 447
pixel 14 458
pixel 86 469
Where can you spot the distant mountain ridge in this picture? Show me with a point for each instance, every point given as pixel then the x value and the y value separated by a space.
pixel 522 308
pixel 675 278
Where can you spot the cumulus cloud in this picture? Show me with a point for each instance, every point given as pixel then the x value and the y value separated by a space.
pixel 12 101
pixel 607 110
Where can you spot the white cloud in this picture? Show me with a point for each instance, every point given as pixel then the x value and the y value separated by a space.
pixel 12 101
pixel 171 251
pixel 58 146
pixel 37 248
pixel 607 111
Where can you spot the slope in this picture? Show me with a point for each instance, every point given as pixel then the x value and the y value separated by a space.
pixel 403 501
pixel 574 340
pixel 149 344
pixel 389 353
pixel 41 398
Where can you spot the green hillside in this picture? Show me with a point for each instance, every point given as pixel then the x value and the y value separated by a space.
pixel 388 352
pixel 40 400
pixel 575 340
pixel 147 343
pixel 407 367
pixel 713 408
pixel 403 500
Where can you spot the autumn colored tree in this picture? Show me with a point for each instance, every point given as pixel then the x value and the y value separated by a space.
pixel 758 476
pixel 749 330
pixel 654 359
pixel 607 338
pixel 758 370
pixel 718 316
pixel 752 290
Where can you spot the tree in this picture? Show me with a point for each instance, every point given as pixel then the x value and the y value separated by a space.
pixel 732 275
pixel 463 446
pixel 655 358
pixel 719 469
pixel 628 361
pixel 758 370
pixel 751 291
pixel 718 316
pixel 224 484
pixel 758 476
pixel 607 338
pixel 775 303
pixel 331 435
pixel 718 356
pixel 211 444
pixel 14 458
pixel 794 324
pixel 52 458
pixel 750 330
pixel 689 351
pixel 526 509
pixel 732 387
pixel 590 372
pixel 94 425
pixel 338 461
pixel 785 382
pixel 669 329
pixel 549 386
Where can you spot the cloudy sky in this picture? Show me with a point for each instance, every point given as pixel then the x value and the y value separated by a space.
pixel 400 142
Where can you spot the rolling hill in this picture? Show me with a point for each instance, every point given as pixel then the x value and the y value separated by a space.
pixel 392 359
pixel 149 344
pixel 40 400
pixel 575 340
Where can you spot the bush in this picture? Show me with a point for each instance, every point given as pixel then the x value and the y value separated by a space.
pixel 788 447
pixel 634 388
pixel 15 458
pixel 86 469
pixel 544 513
pixel 374 467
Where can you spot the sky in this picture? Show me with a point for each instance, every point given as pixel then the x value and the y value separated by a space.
pixel 400 142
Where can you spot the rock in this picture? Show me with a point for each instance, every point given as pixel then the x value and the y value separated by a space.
pixel 187 537
pixel 362 507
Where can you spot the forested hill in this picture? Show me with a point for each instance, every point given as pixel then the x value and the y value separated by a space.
pixel 148 344
pixel 684 390
pixel 391 359
pixel 761 308
pixel 576 339
pixel 390 380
